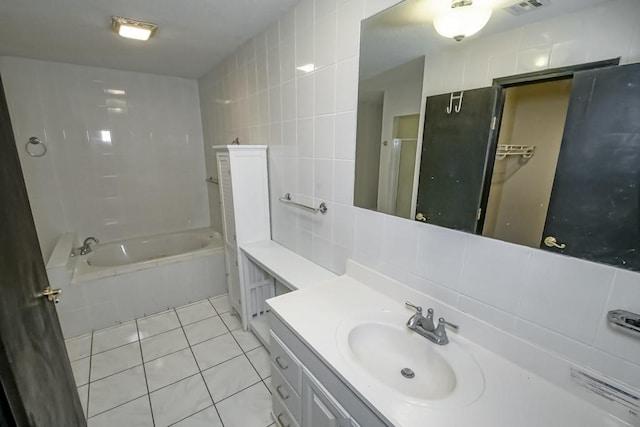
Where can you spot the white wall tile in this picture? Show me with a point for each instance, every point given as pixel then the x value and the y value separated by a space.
pixel 565 295
pixel 324 137
pixel 493 272
pixel 323 179
pixel 345 136
pixel 305 137
pixel 347 85
pixel 325 90
pixel 400 242
pixel 304 95
pixel 490 274
pixel 348 28
pixel 625 295
pixel 343 181
pixel 441 255
pixel 135 151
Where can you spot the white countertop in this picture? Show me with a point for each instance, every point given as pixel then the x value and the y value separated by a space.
pixel 513 397
pixel 295 271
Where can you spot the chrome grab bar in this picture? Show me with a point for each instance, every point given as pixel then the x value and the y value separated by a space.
pixel 287 199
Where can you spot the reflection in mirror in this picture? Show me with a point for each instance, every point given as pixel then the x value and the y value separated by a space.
pixel 387 135
pixel 526 153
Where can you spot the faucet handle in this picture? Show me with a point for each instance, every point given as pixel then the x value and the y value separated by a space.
pixel 443 322
pixel 415 307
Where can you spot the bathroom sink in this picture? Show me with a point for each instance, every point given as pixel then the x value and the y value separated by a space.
pixel 407 365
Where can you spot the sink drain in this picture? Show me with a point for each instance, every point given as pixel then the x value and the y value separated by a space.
pixel 407 373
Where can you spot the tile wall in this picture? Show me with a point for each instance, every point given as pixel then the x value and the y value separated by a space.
pixel 124 150
pixel 309 122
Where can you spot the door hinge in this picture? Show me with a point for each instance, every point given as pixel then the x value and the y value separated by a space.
pixel 479 214
pixel 493 122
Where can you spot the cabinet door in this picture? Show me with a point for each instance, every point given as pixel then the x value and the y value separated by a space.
pixel 320 409
pixel 226 198
pixel 233 279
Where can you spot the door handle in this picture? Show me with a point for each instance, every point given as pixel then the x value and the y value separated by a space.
pixel 52 294
pixel 551 242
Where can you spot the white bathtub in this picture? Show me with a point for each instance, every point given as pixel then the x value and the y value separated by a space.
pixel 121 281
pixel 129 255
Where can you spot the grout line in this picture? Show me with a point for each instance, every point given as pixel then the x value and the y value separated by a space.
pixel 116 373
pixel 189 416
pixel 200 370
pixel 119 405
pixel 254 368
pixel 89 379
pixel 144 371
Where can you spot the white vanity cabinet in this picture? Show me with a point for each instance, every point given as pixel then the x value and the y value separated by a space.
pixel 320 408
pixel 244 204
pixel 306 392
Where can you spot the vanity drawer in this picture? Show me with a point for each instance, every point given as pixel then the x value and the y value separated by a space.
pixel 286 393
pixel 286 363
pixel 281 413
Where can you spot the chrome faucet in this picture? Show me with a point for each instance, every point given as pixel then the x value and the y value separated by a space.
pixel 86 245
pixel 425 327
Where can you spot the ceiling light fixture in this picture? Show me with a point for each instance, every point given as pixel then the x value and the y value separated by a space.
pixel 462 19
pixel 132 29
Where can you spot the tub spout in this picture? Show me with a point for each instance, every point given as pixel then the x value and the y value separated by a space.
pixel 86 245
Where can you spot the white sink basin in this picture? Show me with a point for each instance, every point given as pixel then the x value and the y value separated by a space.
pixel 380 346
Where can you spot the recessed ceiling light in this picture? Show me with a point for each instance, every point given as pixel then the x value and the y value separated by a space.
pixel 132 29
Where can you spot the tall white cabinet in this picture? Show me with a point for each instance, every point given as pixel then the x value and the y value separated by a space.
pixel 244 202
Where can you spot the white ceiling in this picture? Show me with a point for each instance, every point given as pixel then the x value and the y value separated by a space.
pixel 193 37
pixel 405 31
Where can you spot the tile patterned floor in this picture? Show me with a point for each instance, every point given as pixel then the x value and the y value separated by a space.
pixel 188 367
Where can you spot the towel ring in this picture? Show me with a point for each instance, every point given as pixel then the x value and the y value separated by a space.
pixel 34 141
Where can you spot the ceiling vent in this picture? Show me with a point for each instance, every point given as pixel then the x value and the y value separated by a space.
pixel 527 6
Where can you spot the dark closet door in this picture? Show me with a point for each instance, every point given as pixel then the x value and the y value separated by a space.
pixel 35 371
pixel 455 162
pixel 594 207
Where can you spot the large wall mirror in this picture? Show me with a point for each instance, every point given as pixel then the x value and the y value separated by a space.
pixel 544 157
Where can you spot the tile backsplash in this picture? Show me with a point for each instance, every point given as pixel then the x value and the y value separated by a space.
pixel 262 95
pixel 124 150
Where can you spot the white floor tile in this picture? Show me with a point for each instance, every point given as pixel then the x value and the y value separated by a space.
pixel 267 381
pixel 260 360
pixel 249 408
pixel 192 313
pixel 247 340
pixel 115 390
pixel 79 348
pixel 81 371
pixel 136 413
pixel 231 321
pixel 221 304
pixel 207 418
pixel 163 344
pixel 204 330
pixel 156 324
pixel 179 400
pixel 216 350
pixel 107 339
pixel 118 359
pixel 83 393
pixel 230 377
pixel 169 369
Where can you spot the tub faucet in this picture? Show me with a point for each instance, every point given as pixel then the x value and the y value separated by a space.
pixel 86 245
pixel 425 327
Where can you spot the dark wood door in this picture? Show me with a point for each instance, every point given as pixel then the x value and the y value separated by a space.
pixel 34 368
pixel 594 207
pixel 454 166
